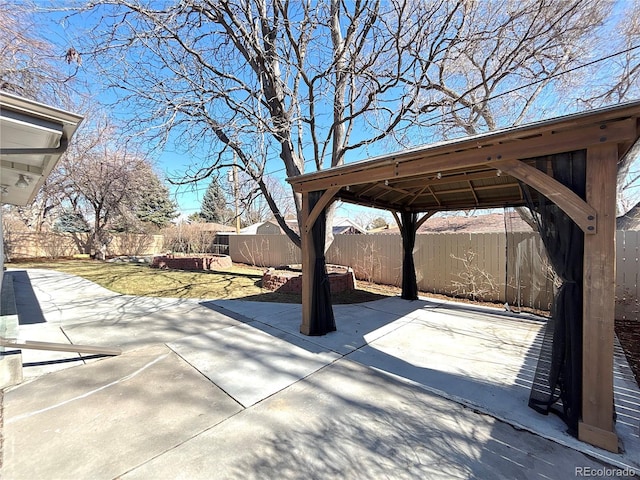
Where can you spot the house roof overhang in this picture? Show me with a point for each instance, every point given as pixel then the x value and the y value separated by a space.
pixel 33 136
pixel 482 171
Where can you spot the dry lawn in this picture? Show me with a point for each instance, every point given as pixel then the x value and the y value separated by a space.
pixel 237 282
pixel 244 282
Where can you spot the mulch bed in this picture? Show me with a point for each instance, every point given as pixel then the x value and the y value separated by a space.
pixel 628 332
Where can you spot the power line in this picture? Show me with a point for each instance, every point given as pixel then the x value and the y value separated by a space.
pixel 535 82
pixel 440 117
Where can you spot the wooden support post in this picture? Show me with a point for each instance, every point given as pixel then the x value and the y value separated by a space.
pixel 597 426
pixel 324 202
pixel 308 266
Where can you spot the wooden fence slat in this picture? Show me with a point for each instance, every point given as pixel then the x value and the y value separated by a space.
pixel 628 275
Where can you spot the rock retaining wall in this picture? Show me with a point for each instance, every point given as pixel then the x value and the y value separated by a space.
pixel 291 281
pixel 208 262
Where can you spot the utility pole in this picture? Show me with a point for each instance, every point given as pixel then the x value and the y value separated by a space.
pixel 235 193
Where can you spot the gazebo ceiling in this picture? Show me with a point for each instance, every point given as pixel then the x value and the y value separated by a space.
pixel 448 190
pixel 473 172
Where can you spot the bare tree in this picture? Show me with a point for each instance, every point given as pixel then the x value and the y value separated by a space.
pixel 252 206
pixel 619 78
pixel 513 52
pixel 30 64
pixel 627 85
pixel 105 184
pixel 614 81
pixel 315 83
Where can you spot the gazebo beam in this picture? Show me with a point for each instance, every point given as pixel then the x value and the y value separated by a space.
pixel 424 218
pixel 435 161
pixel 597 425
pixel 580 211
pixel 325 200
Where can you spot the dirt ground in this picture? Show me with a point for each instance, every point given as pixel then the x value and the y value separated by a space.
pixel 628 332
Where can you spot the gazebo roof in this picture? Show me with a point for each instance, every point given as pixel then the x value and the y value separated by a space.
pixel 472 172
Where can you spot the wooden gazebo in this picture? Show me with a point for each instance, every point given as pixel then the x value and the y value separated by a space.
pixel 496 170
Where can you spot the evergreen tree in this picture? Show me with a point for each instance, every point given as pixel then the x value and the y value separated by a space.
pixel 214 204
pixel 154 205
pixel 71 222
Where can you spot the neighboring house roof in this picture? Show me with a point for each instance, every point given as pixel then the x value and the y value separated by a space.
pixel 33 136
pixel 489 223
pixel 293 224
pixel 341 225
pixel 253 229
pixel 214 227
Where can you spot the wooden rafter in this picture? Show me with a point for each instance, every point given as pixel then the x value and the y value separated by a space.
pixel 417 195
pixel 473 192
pixel 367 189
pixel 435 197
pixel 447 177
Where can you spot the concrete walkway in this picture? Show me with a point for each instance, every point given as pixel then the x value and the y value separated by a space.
pixel 230 389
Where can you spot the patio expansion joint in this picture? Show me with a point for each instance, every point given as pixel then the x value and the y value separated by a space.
pixel 184 359
pixel 232 416
pixel 249 323
pixel 195 435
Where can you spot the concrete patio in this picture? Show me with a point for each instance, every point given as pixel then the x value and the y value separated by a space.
pixel 231 389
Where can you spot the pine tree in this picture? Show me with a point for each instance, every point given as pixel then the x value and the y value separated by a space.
pixel 214 204
pixel 154 205
pixel 71 222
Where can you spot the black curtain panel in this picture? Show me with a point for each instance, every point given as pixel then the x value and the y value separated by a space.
pixel 322 319
pixel 557 385
pixel 408 232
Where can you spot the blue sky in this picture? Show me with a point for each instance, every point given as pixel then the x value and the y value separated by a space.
pixel 62 29
pixel 173 163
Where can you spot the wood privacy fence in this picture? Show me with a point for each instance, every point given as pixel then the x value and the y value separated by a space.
pixel 56 245
pixel 511 268
pixel 627 274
